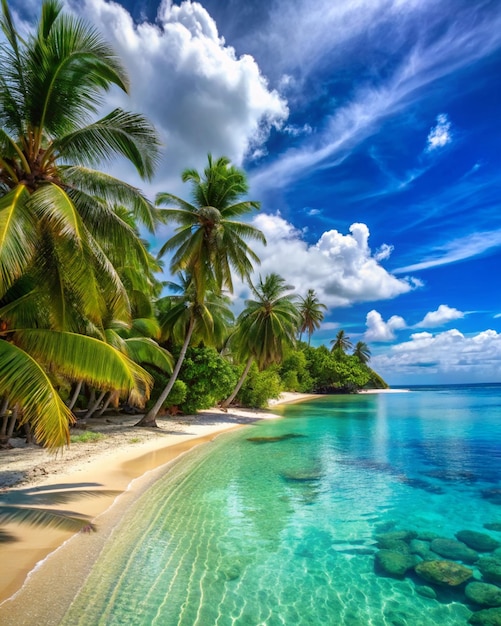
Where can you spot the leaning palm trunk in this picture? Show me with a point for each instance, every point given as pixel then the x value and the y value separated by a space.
pixel 150 418
pixel 106 403
pixel 93 408
pixel 229 400
pixel 76 393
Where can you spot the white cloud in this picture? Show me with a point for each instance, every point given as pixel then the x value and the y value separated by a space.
pixel 440 317
pixel 446 356
pixel 193 87
pixel 341 268
pixel 379 330
pixel 457 250
pixel 384 252
pixel 440 135
pixel 297 131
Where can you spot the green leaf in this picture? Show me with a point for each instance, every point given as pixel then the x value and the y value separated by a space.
pixel 18 236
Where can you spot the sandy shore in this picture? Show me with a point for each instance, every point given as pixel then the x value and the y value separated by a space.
pixel 125 459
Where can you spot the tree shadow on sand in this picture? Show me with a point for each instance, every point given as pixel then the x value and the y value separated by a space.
pixel 28 506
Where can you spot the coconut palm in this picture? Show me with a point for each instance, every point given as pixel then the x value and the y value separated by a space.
pixel 266 326
pixel 186 317
pixel 59 222
pixel 341 344
pixel 362 352
pixel 310 310
pixel 210 242
pixel 55 211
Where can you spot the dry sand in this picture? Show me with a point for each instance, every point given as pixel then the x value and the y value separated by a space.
pixel 126 459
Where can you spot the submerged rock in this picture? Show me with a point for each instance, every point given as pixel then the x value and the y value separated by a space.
pixel 396 535
pixel 395 545
pixel 490 568
pixel 422 549
pixel 452 549
pixel 478 541
pixel 443 572
pixel 493 526
pixel 274 439
pixel 487 617
pixel 427 535
pixel 394 564
pixel 426 592
pixel 483 594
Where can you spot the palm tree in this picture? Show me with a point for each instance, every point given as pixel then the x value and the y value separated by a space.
pixel 56 212
pixel 187 317
pixel 362 352
pixel 209 242
pixel 341 344
pixel 265 327
pixel 310 310
pixel 59 221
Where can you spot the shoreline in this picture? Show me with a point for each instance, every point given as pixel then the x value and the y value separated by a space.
pixel 127 460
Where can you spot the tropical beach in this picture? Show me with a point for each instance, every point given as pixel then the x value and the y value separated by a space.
pixel 113 463
pixel 204 418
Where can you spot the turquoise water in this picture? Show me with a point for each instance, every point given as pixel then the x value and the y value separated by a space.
pixel 274 532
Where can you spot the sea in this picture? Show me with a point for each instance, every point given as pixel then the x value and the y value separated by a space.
pixel 279 523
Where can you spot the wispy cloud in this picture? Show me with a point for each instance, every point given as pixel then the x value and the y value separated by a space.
pixel 462 43
pixel 457 250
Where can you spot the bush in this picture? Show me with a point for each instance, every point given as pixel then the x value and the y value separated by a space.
pixel 259 387
pixel 208 377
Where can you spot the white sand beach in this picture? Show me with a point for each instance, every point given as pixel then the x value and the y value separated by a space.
pixel 36 588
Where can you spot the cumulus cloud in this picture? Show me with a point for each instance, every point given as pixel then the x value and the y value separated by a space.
pixel 440 135
pixel 379 330
pixel 340 267
pixel 195 89
pixel 449 355
pixel 440 317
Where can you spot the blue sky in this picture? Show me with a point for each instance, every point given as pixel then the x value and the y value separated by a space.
pixel 370 133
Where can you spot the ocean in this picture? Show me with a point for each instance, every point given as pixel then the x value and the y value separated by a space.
pixel 280 523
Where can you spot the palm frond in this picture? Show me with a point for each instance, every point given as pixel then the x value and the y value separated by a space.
pixel 119 132
pixel 18 236
pixel 26 383
pixel 145 350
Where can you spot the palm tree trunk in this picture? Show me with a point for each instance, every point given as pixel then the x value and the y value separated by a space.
pixel 74 397
pixel 97 402
pixel 105 404
pixel 150 418
pixel 229 400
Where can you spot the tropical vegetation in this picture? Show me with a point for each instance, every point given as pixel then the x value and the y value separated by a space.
pixel 85 322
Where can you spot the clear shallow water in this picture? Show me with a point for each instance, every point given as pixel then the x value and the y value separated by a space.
pixel 253 533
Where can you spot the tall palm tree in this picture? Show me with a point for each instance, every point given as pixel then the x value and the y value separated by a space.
pixel 186 317
pixel 208 245
pixel 210 242
pixel 341 344
pixel 55 211
pixel 311 312
pixel 362 352
pixel 58 216
pixel 266 326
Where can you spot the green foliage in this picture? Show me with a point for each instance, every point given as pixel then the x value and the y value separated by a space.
pixel 208 377
pixel 319 370
pixel 177 394
pixel 86 437
pixel 259 387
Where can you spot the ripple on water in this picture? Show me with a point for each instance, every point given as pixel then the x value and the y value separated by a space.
pixel 283 533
